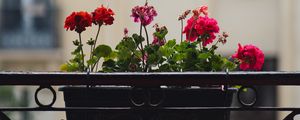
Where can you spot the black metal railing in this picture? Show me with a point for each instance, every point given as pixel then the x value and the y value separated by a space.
pixel 246 79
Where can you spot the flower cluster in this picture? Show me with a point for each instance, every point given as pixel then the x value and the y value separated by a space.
pixel 201 28
pixel 223 39
pixel 159 35
pixel 78 21
pixel 144 14
pixel 250 57
pixel 103 15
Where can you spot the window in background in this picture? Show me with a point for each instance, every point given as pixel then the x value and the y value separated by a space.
pixel 27 24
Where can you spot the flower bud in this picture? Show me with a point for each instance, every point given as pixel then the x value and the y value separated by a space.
pixel 76 43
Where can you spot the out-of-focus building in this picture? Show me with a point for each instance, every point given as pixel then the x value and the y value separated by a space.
pixel 32 37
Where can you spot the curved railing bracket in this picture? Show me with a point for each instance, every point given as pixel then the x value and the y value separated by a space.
pixel 292 115
pixel 37 99
pixel 3 116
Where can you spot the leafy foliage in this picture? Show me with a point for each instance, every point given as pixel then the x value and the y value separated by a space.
pixel 130 56
pixel 170 57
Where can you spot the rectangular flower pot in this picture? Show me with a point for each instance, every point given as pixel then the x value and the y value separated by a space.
pixel 146 103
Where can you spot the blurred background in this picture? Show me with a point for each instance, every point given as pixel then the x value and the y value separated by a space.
pixel 32 38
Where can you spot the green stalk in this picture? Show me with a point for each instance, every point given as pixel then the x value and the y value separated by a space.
pixel 90 69
pixel 97 37
pixel 181 30
pixel 93 47
pixel 143 52
pixel 97 64
pixel 93 67
pixel 147 37
pixel 81 49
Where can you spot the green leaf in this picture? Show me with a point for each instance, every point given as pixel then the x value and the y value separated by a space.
pixel 138 53
pixel 109 63
pixel 217 63
pixel 70 67
pixel 162 34
pixel 77 58
pixel 64 67
pixel 102 51
pixel 93 60
pixel 112 56
pixel 128 44
pixel 109 66
pixel 229 65
pixel 124 54
pixel 239 87
pixel 165 51
pixel 138 39
pixel 164 68
pixel 178 57
pixel 171 43
pixel 204 55
pixel 77 50
pixel 152 59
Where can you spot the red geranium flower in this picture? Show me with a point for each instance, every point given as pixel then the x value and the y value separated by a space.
pixel 103 15
pixel 190 32
pixel 250 57
pixel 207 28
pixel 204 28
pixel 78 21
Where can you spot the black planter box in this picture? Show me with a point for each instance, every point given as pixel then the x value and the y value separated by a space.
pixel 146 98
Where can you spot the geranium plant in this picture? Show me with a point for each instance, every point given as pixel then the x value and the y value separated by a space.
pixel 78 21
pixel 141 52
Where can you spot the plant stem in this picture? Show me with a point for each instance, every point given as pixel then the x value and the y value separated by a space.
pixel 81 49
pixel 147 37
pixel 93 47
pixel 200 45
pixel 181 31
pixel 142 49
pixel 97 37
pixel 93 67
pixel 97 65
pixel 214 45
pixel 138 47
pixel 90 69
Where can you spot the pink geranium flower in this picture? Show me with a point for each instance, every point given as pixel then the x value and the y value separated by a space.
pixel 250 57
pixel 190 31
pixel 204 28
pixel 144 14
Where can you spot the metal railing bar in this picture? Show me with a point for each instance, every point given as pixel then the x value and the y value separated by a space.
pixel 152 108
pixel 150 79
